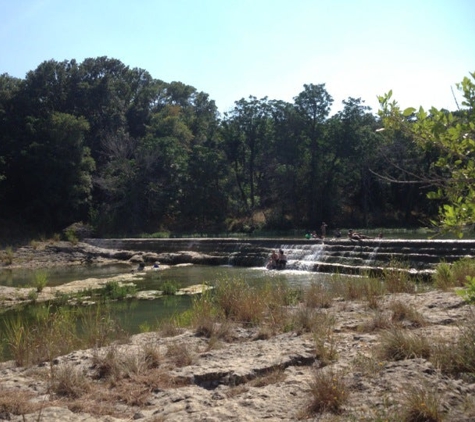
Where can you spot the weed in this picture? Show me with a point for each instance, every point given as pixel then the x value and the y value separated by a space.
pixel 15 402
pixel 169 288
pixel 468 293
pixel 270 377
pixel 114 290
pixel 305 320
pixel 367 365
pixel 462 269
pixel 403 312
pixel 71 236
pixel 421 404
pixel 8 256
pixel 443 276
pixel 379 321
pixel 69 381
pixel 107 366
pixel 152 355
pixel 169 328
pixel 457 357
pixel 329 392
pixel 179 354
pixel 317 296
pixel 40 280
pixel 33 295
pixel 399 344
pixel 325 345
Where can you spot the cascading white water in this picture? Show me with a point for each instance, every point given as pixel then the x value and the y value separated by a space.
pixel 304 257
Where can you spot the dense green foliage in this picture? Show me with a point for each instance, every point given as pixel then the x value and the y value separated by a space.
pixel 105 144
pixel 450 139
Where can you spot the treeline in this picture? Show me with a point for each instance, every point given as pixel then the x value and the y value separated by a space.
pixel 105 144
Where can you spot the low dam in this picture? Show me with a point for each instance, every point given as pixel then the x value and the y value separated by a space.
pixel 331 255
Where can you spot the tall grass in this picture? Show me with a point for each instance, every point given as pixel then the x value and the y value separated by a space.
pixel 447 275
pixel 50 333
pixel 398 344
pixel 457 357
pixel 40 280
pixel 329 392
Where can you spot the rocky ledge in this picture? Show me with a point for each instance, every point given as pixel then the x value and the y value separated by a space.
pixel 248 376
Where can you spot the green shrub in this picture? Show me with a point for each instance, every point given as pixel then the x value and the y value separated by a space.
pixel 114 290
pixel 40 281
pixel 469 292
pixel 443 277
pixel 8 256
pixel 169 288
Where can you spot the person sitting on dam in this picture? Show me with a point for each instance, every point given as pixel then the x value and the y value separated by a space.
pixel 352 235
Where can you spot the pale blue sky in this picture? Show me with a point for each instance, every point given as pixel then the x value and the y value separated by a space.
pixel 231 49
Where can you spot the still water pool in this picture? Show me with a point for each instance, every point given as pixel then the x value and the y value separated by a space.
pixel 133 315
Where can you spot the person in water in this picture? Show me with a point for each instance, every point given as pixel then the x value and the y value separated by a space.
pixel 272 261
pixel 281 259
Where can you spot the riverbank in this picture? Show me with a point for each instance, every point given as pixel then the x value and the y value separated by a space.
pixel 372 358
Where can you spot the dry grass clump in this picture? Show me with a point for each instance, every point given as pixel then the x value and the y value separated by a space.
pixel 108 365
pixel 421 404
pixel 399 344
pixel 324 338
pixel 402 312
pixel 152 355
pixel 179 354
pixel 16 402
pixel 367 365
pixel 317 296
pixel 70 381
pixel 379 321
pixel 457 357
pixel 305 320
pixel 273 376
pixel 365 288
pixel 329 392
pixel 169 328
pixel 50 334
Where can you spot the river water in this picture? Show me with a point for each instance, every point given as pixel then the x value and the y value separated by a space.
pixel 134 315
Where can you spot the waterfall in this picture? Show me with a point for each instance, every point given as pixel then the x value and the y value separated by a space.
pixel 372 256
pixel 334 255
pixel 304 257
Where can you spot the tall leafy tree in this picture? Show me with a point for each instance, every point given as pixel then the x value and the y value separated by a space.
pixel 313 105
pixel 55 186
pixel 453 135
pixel 246 138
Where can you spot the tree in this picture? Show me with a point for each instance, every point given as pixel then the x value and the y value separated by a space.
pixel 313 106
pixel 55 185
pixel 452 173
pixel 246 136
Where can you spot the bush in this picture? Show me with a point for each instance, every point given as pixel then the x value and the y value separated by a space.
pixel 169 288
pixel 329 392
pixel 116 291
pixel 399 344
pixel 41 280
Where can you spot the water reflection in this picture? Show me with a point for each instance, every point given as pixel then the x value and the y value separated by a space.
pixel 136 315
pixel 21 277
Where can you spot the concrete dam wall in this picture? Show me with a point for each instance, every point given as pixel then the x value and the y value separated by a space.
pixel 332 255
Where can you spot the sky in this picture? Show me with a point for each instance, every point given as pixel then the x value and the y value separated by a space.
pixel 232 49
